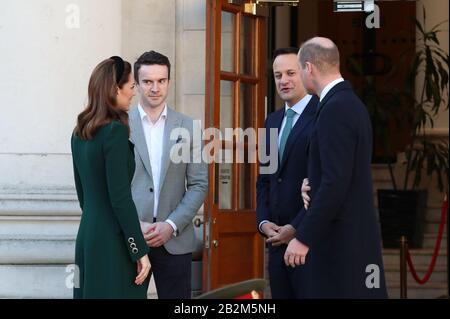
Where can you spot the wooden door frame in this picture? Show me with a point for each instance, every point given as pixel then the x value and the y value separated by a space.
pixel 212 119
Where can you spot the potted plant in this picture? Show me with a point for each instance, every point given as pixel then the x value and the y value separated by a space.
pixel 402 209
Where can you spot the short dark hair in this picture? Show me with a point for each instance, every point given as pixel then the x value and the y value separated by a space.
pixel 150 58
pixel 283 51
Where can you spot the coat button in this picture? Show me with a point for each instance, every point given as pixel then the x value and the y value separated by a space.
pixel 131 240
pixel 280 180
pixel 133 245
pixel 151 190
pixel 135 250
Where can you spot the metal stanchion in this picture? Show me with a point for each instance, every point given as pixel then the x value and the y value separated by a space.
pixel 403 272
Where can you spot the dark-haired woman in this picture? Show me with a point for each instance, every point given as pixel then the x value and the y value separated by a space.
pixel 111 253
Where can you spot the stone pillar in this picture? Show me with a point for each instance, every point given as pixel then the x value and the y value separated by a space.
pixel 49 49
pixel 150 25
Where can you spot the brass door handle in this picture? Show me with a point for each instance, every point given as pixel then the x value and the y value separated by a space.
pixel 215 243
pixel 198 222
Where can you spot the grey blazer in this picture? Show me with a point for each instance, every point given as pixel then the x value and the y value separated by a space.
pixel 183 186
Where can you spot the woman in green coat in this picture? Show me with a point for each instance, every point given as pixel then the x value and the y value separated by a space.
pixel 110 248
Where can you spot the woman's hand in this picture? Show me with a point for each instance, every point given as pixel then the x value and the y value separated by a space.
pixel 305 189
pixel 143 268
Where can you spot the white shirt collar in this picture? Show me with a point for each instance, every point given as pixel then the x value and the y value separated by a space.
pixel 300 106
pixel 142 113
pixel 328 87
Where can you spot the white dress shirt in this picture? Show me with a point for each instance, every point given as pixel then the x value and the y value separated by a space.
pixel 298 108
pixel 154 138
pixel 328 87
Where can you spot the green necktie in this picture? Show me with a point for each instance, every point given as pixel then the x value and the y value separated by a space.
pixel 286 130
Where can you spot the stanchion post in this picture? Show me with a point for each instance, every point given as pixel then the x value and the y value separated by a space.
pixel 403 273
pixel 448 242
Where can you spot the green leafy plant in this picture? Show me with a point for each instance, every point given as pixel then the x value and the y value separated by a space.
pixel 430 67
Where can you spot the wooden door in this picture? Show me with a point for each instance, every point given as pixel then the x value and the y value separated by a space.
pixel 376 62
pixel 235 90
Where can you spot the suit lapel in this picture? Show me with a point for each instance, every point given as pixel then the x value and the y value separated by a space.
pixel 172 122
pixel 278 119
pixel 137 134
pixel 301 124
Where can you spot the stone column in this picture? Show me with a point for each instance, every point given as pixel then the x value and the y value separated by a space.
pixel 49 49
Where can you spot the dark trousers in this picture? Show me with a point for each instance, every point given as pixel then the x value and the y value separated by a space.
pixel 172 273
pixel 285 282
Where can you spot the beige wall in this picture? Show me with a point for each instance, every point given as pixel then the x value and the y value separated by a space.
pixel 190 57
pixel 45 72
pixel 175 28
pixel 150 25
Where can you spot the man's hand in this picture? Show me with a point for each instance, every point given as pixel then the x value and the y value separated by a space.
pixel 145 227
pixel 295 254
pixel 305 189
pixel 158 234
pixel 270 229
pixel 284 236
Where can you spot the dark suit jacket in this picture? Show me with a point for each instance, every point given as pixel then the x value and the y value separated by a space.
pixel 340 227
pixel 278 195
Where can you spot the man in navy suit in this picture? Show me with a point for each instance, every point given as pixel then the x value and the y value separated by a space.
pixel 278 194
pixel 337 240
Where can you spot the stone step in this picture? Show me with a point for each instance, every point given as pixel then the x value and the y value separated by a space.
pixel 433 228
pixel 419 293
pixel 414 252
pixel 433 214
pixel 37 251
pixel 419 268
pixel 35 281
pixel 42 282
pixel 37 239
pixel 420 257
pixel 429 240
pixel 415 285
pixel 439 275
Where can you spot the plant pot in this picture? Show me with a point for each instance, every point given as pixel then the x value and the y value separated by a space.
pixel 402 213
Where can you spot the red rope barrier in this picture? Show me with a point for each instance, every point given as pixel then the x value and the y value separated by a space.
pixel 436 248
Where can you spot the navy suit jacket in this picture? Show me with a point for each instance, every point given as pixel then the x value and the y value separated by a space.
pixel 340 227
pixel 279 194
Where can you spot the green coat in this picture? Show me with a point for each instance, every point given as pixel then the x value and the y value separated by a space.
pixel 109 240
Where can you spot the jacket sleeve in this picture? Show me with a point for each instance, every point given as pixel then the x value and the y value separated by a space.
pixel 336 138
pixel 196 186
pixel 298 218
pixel 117 155
pixel 78 186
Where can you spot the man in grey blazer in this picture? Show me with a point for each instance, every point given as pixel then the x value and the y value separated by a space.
pixel 167 194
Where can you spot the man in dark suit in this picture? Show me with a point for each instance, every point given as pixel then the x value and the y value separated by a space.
pixel 337 240
pixel 278 194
